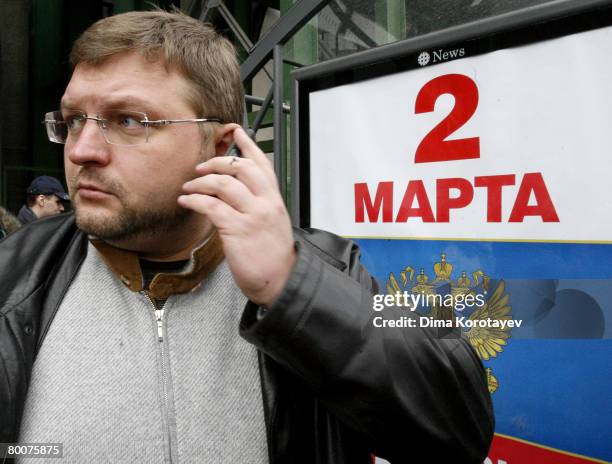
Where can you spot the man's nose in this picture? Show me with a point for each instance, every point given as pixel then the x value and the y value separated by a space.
pixel 89 146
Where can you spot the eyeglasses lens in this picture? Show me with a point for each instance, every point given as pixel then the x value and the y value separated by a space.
pixel 119 127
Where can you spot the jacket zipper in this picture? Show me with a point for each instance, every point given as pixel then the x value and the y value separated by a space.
pixel 159 319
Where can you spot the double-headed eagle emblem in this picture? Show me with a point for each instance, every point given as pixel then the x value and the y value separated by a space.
pixel 487 341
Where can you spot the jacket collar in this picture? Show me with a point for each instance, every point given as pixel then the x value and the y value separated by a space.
pixel 26 215
pixel 126 266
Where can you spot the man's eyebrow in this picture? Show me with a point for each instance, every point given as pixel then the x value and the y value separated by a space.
pixel 124 103
pixel 128 103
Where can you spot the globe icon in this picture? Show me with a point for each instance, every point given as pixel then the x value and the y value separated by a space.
pixel 423 58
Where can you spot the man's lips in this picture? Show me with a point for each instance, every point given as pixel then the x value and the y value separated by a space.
pixel 91 191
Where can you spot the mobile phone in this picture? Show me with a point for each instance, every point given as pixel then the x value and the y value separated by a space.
pixel 233 149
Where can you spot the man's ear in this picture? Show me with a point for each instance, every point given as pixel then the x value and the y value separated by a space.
pixel 224 136
pixel 40 200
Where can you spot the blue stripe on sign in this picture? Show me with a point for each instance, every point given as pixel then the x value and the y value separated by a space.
pixel 546 281
pixel 508 260
pixel 550 391
pixel 556 393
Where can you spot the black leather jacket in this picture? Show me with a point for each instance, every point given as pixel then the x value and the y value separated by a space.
pixel 335 388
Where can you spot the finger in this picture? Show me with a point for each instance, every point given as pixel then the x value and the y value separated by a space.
pixel 220 213
pixel 243 169
pixel 250 150
pixel 226 188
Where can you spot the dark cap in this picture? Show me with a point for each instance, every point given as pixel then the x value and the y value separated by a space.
pixel 47 185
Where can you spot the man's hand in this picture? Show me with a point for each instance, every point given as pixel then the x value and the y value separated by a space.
pixel 241 198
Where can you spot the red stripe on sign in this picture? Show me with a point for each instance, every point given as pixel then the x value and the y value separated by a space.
pixel 510 450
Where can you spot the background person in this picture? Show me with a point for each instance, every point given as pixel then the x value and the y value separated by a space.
pixel 8 223
pixel 44 198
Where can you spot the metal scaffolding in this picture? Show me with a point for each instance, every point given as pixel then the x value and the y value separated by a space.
pixel 269 46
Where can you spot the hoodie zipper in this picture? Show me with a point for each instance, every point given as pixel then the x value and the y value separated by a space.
pixel 159 319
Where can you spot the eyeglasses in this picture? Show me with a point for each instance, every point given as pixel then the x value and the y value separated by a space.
pixel 119 127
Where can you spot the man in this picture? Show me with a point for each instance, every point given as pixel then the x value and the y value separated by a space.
pixel 44 198
pixel 131 309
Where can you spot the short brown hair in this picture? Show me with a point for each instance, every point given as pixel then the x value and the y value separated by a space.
pixel 205 58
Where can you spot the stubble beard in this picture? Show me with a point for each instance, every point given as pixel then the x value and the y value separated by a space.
pixel 131 222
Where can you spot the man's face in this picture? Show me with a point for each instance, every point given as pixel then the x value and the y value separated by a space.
pixel 127 192
pixel 49 205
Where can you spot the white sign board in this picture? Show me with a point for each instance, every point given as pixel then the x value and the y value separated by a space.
pixel 514 144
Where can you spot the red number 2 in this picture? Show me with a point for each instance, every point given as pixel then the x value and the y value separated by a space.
pixel 434 147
